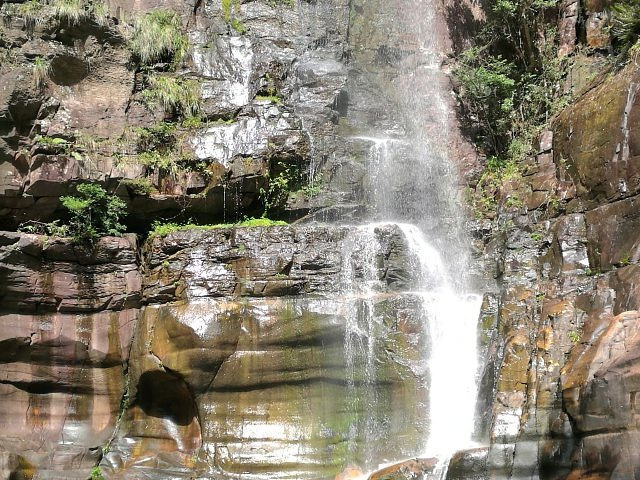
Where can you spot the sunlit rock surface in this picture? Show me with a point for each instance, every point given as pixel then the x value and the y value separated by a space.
pixel 269 367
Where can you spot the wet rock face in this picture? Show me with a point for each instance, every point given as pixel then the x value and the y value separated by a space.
pixel 559 332
pixel 595 141
pixel 270 364
pixel 256 91
pixel 255 351
pixel 599 385
pixel 62 381
pixel 67 317
pixel 41 275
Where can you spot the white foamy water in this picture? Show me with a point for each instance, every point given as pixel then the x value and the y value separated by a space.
pixel 449 316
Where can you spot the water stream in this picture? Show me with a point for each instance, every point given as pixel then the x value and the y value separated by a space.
pixel 412 184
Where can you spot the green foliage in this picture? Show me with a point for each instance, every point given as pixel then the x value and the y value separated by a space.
pixel 96 474
pixel 230 11
pixel 160 229
pixel 94 212
pixel 498 171
pixel 41 69
pixel 30 11
pixel 284 178
pixel 52 143
pixel 158 37
pixel 160 135
pixel 101 13
pixel 269 98
pixel 314 187
pixel 510 83
pixel 275 3
pixel 487 87
pixel 625 259
pixel 53 229
pixel 625 23
pixel 575 335
pixel 139 186
pixel 194 122
pixel 177 96
pixel 157 160
pixel 70 11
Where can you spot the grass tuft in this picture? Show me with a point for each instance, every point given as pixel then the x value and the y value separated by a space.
pixel 41 69
pixel 70 11
pixel 177 96
pixel 158 37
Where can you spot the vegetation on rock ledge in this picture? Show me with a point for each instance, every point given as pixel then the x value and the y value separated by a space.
pixel 160 229
pixel 158 37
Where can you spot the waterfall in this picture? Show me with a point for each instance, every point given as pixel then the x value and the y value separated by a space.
pixel 412 184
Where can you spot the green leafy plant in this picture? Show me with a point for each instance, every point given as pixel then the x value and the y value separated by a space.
pixel 269 98
pixel 158 160
pixel 94 212
pixel 284 178
pixel 275 3
pixel 53 229
pixel 625 259
pixel 314 187
pixel 193 122
pixel 96 474
pixel 575 335
pixel 70 11
pixel 159 135
pixel 176 96
pixel 230 10
pixel 511 81
pixel 41 69
pixel 139 186
pixel 101 13
pixel 625 23
pixel 56 144
pixel 158 37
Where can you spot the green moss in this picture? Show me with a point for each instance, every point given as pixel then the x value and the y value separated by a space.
pixel 139 186
pixel 161 229
pixel 269 98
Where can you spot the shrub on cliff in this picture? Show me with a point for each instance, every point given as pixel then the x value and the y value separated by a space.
pixel 510 82
pixel 158 37
pixel 625 23
pixel 94 213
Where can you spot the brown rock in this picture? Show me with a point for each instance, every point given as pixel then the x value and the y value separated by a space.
pixel 599 384
pixel 350 473
pixel 567 26
pixel 61 380
pixel 407 470
pixel 596 140
pixel 42 275
pixel 612 231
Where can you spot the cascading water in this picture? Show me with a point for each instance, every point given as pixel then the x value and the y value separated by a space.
pixel 412 184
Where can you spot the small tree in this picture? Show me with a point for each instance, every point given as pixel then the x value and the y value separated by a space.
pixel 94 212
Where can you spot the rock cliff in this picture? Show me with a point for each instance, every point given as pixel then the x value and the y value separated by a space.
pixel 212 353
